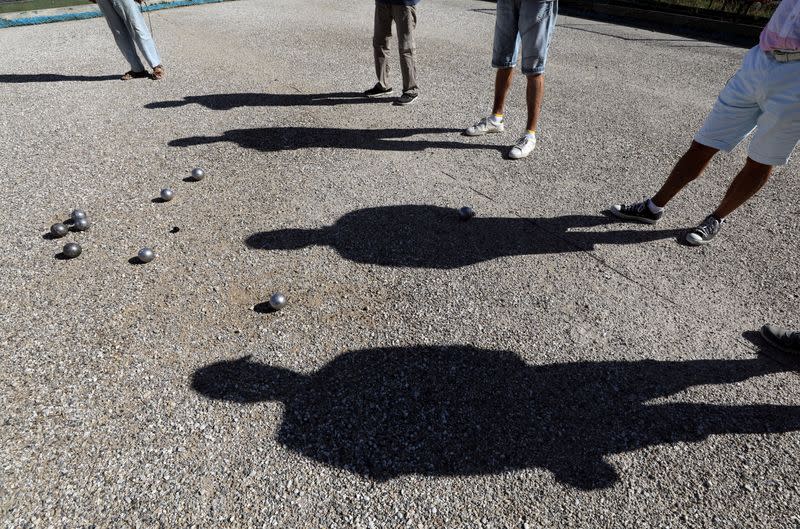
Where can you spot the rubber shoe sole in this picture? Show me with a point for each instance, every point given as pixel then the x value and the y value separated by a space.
pixel 695 240
pixel 765 333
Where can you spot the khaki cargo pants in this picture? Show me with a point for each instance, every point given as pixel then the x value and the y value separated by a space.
pixel 405 18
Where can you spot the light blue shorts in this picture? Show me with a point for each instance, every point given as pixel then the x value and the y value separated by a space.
pixel 525 25
pixel 764 95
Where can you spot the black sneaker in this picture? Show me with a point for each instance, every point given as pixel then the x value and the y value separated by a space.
pixel 407 98
pixel 378 90
pixel 638 212
pixel 706 231
pixel 785 340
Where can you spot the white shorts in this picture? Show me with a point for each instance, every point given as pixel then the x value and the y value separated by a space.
pixel 763 95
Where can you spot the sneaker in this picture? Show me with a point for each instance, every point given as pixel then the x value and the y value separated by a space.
pixel 407 98
pixel 783 339
pixel 485 126
pixel 638 212
pixel 706 231
pixel 523 147
pixel 378 90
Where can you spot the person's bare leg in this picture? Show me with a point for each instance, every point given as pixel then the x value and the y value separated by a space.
pixel 750 179
pixel 502 84
pixel 689 167
pixel 535 95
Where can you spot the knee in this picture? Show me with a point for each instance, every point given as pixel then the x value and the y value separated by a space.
pixel 702 151
pixel 757 169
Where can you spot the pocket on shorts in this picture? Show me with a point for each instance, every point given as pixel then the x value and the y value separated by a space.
pixel 533 14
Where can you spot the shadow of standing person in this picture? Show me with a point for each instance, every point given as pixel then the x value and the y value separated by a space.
pixel 424 236
pixel 231 101
pixel 292 138
pixel 459 410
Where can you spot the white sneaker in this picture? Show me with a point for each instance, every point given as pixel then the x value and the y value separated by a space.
pixel 523 147
pixel 485 126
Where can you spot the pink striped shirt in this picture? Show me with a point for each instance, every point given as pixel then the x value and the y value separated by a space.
pixel 782 32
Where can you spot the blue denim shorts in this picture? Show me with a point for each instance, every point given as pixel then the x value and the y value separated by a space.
pixel 525 25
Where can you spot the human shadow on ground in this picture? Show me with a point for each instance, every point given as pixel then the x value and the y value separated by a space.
pixel 290 138
pixel 52 78
pixel 424 236
pixel 458 410
pixel 230 101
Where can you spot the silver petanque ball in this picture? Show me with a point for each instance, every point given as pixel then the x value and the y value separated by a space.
pixel 466 213
pixel 77 214
pixel 81 224
pixel 167 194
pixel 277 301
pixel 198 174
pixel 58 229
pixel 72 249
pixel 146 255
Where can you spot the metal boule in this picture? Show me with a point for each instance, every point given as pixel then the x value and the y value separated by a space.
pixel 72 249
pixel 59 229
pixel 146 255
pixel 198 174
pixel 277 301
pixel 466 213
pixel 81 224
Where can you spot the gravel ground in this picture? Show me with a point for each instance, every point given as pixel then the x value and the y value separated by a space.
pixel 536 367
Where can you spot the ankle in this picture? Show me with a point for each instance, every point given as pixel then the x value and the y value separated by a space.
pixel 653 207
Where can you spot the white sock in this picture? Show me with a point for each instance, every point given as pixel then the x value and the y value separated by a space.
pixel 652 207
pixel 494 118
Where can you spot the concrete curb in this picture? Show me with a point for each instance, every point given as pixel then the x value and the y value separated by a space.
pixel 62 16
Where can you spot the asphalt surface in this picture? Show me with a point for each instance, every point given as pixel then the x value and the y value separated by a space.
pixel 535 367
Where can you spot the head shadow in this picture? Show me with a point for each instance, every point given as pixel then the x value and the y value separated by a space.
pixel 425 236
pixel 458 410
pixel 231 101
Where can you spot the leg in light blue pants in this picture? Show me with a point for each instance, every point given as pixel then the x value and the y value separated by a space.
pixel 130 30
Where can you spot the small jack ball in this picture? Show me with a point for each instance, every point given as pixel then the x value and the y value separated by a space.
pixel 466 213
pixel 167 194
pixel 71 249
pixel 198 174
pixel 77 214
pixel 81 224
pixel 277 301
pixel 58 229
pixel 146 255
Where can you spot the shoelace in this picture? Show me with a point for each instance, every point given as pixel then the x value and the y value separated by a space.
pixel 707 227
pixel 636 208
pixel 522 142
